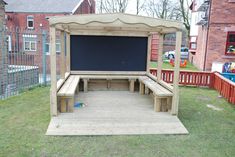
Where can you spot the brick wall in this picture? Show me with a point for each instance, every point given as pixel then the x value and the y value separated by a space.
pixel 222 20
pixel 199 58
pixel 17 26
pixel 86 7
pixel 3 50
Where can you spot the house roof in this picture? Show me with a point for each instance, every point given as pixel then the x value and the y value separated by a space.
pixel 2 1
pixel 42 6
pixel 115 21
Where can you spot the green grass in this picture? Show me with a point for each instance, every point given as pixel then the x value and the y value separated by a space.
pixel 166 65
pixel 24 120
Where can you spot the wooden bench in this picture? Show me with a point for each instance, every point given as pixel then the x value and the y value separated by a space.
pixel 108 78
pixel 162 96
pixel 66 94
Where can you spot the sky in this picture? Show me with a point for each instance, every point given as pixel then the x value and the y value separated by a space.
pixel 131 8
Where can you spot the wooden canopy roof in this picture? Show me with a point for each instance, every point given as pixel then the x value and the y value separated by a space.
pixel 113 22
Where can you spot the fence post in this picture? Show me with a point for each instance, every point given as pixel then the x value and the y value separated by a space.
pixel 212 80
pixel 44 65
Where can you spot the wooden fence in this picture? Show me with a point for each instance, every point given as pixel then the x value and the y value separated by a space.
pixel 225 87
pixel 188 78
pixel 203 79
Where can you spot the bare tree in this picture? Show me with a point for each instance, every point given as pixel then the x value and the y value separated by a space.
pixel 112 6
pixel 185 13
pixel 164 9
pixel 140 5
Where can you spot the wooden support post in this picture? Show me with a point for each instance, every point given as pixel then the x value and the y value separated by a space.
pixel 85 85
pixel 62 55
pixel 53 90
pixel 67 52
pixel 157 104
pixel 149 52
pixel 175 103
pixel 132 85
pixel 141 88
pixel 159 62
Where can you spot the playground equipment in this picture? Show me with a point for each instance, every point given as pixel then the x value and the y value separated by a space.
pixel 229 71
pixel 183 64
pixel 111 52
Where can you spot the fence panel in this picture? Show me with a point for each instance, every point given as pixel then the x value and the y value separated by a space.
pixel 21 49
pixel 225 87
pixel 192 78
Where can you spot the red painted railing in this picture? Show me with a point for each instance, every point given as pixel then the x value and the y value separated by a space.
pixel 190 78
pixel 206 79
pixel 225 87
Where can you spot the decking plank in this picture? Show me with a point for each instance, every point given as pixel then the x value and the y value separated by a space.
pixel 115 113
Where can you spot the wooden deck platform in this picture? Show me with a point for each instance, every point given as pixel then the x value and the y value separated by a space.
pixel 115 113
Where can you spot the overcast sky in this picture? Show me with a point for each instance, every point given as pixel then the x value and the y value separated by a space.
pixel 132 7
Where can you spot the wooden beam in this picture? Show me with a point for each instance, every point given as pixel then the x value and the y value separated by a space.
pixel 62 56
pixel 109 33
pixel 67 52
pixel 159 62
pixel 149 52
pixel 175 103
pixel 53 90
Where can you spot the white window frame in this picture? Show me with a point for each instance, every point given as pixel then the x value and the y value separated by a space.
pixel 57 43
pixel 30 18
pixel 30 45
pixel 9 43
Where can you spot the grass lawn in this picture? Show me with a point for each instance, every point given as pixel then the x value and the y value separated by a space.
pixel 166 65
pixel 24 120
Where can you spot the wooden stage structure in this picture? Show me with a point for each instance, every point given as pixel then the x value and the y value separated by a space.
pixel 77 79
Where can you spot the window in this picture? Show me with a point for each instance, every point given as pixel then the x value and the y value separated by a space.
pixel 30 22
pixel 193 43
pixel 9 43
pixel 58 47
pixel 30 45
pixel 230 45
pixel 30 42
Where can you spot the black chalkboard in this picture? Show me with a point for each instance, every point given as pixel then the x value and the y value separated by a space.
pixel 108 53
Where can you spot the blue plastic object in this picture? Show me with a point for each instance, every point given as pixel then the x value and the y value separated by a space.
pixel 78 105
pixel 230 76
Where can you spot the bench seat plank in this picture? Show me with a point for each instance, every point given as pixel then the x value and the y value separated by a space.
pixel 69 87
pixel 107 77
pixel 157 89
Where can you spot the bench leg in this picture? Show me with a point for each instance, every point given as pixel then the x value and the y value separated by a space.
pixel 67 104
pixel 169 104
pixel 146 90
pixel 141 88
pixel 63 105
pixel 157 104
pixel 71 104
pixel 85 85
pixel 108 83
pixel 132 86
pixel 164 104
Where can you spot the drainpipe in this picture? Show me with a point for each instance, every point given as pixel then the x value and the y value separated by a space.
pixel 207 36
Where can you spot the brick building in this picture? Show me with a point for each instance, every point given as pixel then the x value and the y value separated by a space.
pixel 28 27
pixel 212 32
pixel 3 50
